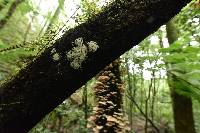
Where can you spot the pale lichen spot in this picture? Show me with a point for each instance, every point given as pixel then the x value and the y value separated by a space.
pixel 75 64
pixel 92 46
pixel 53 50
pixel 77 54
pixel 56 57
pixel 78 41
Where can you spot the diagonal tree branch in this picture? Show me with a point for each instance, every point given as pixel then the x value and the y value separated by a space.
pixel 47 81
pixel 143 114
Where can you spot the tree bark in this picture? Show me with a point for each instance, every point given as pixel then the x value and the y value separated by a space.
pixel 108 115
pixel 182 105
pixel 45 83
pixel 129 92
pixel 85 102
pixel 10 12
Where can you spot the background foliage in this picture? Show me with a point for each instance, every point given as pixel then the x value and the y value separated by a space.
pixel 34 25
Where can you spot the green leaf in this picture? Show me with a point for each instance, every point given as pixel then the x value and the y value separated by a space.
pixel 187 84
pixel 175 47
pixel 25 8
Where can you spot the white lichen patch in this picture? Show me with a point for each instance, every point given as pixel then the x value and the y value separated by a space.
pixel 53 50
pixel 92 46
pixel 78 41
pixel 56 57
pixel 75 64
pixel 79 52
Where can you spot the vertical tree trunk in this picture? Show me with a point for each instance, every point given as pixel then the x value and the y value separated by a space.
pixel 153 96
pixel 10 12
pixel 85 104
pixel 108 90
pixel 55 15
pixel 30 24
pixel 52 20
pixel 147 99
pixel 182 106
pixel 129 93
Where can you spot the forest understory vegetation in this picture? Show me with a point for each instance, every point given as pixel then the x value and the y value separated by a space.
pixel 152 88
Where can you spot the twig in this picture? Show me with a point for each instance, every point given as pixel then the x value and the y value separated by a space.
pixel 150 121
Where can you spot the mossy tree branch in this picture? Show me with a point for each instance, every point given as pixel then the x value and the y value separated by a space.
pixel 45 82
